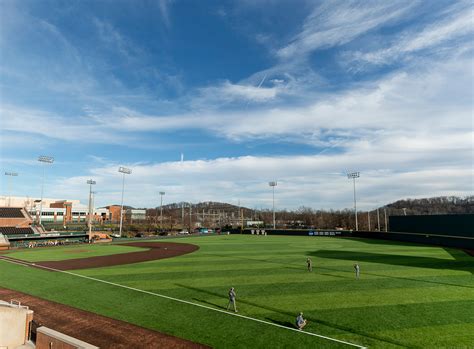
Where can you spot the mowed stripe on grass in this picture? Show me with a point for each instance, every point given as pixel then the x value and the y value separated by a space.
pixel 403 287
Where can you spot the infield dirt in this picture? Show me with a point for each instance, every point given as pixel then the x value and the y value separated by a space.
pixel 152 251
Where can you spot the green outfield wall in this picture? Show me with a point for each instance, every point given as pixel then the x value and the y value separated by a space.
pixel 443 230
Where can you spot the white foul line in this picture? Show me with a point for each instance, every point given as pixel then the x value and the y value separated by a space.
pixel 186 302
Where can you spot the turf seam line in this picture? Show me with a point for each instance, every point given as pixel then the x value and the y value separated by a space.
pixel 187 302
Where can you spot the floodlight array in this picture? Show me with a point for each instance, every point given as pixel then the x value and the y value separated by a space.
pixel 353 175
pixel 47 159
pixel 125 170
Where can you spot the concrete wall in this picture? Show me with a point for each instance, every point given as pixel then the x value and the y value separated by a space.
pixel 14 325
pixel 47 338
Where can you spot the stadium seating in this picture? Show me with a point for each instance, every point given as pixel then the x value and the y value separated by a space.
pixel 16 231
pixel 11 212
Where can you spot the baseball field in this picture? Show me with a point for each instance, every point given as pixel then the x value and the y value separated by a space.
pixel 407 296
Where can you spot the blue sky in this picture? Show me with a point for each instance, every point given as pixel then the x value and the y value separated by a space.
pixel 249 91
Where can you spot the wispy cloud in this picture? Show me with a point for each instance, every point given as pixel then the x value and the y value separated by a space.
pixel 53 126
pixel 336 23
pixel 457 24
pixel 228 92
pixel 112 39
pixel 164 6
pixel 399 102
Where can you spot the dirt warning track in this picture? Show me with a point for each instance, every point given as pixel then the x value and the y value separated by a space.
pixel 154 250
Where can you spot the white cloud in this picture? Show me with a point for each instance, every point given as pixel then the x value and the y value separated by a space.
pixel 336 23
pixel 228 92
pixel 436 34
pixel 52 126
pixel 388 173
pixel 435 101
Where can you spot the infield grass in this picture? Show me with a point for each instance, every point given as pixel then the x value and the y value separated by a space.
pixel 61 253
pixel 408 295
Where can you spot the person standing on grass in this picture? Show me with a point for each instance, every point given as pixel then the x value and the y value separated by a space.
pixel 300 322
pixel 309 262
pixel 232 296
pixel 357 270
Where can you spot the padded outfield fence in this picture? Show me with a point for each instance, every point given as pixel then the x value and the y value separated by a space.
pixel 443 230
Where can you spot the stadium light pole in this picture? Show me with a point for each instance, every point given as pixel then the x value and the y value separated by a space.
pixel 45 160
pixel 124 171
pixel 91 183
pixel 386 225
pixel 378 219
pixel 161 210
pixel 182 202
pixel 10 175
pixel 190 216
pixel 273 184
pixel 368 218
pixel 353 176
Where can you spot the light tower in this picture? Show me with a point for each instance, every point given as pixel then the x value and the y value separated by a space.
pixel 10 175
pixel 354 175
pixel 161 210
pixel 273 184
pixel 124 171
pixel 45 160
pixel 91 183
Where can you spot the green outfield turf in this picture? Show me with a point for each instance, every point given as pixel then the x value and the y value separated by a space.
pixel 408 295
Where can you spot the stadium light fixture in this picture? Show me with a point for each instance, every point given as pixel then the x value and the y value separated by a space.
pixel 45 160
pixel 91 183
pixel 353 176
pixel 10 175
pixel 124 171
pixel 161 210
pixel 273 184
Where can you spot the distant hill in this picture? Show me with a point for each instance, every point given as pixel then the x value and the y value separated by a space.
pixel 435 205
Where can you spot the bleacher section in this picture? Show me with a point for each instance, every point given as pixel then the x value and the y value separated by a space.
pixel 16 231
pixel 11 212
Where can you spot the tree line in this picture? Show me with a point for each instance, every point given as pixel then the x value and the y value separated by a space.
pixel 216 214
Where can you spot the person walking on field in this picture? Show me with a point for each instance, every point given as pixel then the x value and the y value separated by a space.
pixel 232 296
pixel 309 262
pixel 357 270
pixel 300 322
